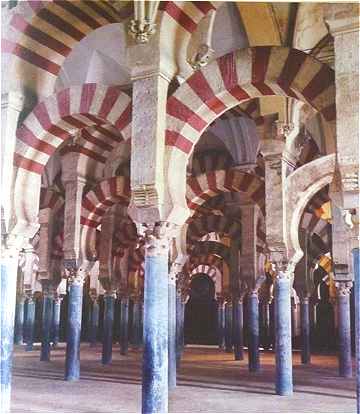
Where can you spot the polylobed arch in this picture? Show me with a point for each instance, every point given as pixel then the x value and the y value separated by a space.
pixel 201 188
pixel 230 80
pixel 52 122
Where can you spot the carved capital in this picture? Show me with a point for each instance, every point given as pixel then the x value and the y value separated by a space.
pixel 143 25
pixel 343 288
pixel 73 274
pixel 202 57
pixel 157 237
pixel 110 294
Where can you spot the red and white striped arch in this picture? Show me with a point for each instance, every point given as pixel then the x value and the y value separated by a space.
pixel 213 248
pixel 60 116
pixel 45 32
pixel 212 271
pixel 231 80
pixel 240 76
pixel 95 203
pixel 212 223
pixel 202 188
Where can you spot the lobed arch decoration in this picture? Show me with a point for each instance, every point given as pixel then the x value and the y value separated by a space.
pixel 202 188
pixel 231 80
pixel 49 125
pixel 45 33
pixel 95 203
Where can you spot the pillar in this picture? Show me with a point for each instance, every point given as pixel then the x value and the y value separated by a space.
pixel 344 332
pixel 265 320
pixel 221 323
pixel 56 320
pixel 109 303
pixel 238 329
pixel 94 322
pixel 47 318
pixel 228 327
pixel 355 253
pixel 136 322
pixel 172 331
pixel 124 325
pixel 155 356
pixel 30 323
pixel 73 327
pixel 283 351
pixel 180 308
pixel 305 330
pixel 253 329
pixel 9 263
pixel 19 320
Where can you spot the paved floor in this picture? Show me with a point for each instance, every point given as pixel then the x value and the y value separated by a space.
pixel 209 381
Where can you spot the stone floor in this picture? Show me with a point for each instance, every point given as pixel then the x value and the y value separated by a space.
pixel 209 381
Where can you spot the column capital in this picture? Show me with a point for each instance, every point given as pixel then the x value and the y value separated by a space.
pixel 143 25
pixel 343 288
pixel 74 272
pixel 110 294
pixel 157 237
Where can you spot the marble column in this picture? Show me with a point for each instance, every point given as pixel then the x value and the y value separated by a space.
pixel 305 330
pixel 109 302
pixel 56 320
pixel 124 325
pixel 156 324
pixel 136 322
pixel 94 322
pixel 73 328
pixel 265 321
pixel 221 323
pixel 344 330
pixel 9 263
pixel 355 253
pixel 30 323
pixel 180 308
pixel 238 329
pixel 253 328
pixel 283 349
pixel 172 331
pixel 228 327
pixel 47 318
pixel 19 320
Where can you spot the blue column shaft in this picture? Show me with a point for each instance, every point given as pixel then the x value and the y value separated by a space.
pixel 172 334
pixel 7 307
pixel 344 331
pixel 56 321
pixel 136 325
pixel 30 324
pixel 73 332
pixel 221 325
pixel 124 326
pixel 228 327
pixel 94 323
pixel 155 357
pixel 253 312
pixel 283 350
pixel 356 253
pixel 47 317
pixel 19 322
pixel 238 329
pixel 305 331
pixel 179 331
pixel 109 301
